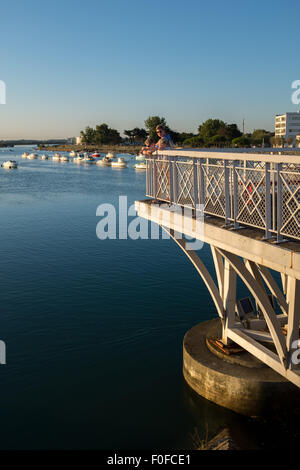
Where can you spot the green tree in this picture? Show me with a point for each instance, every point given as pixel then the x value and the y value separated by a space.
pixel 242 141
pixel 210 128
pixel 260 136
pixel 136 134
pixel 106 135
pixel 193 142
pixel 180 137
pixel 88 135
pixel 217 141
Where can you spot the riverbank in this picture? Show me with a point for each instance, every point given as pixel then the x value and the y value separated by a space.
pixel 133 149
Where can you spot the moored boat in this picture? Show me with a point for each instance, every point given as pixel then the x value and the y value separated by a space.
pixel 140 166
pixel 56 157
pixel 96 155
pixel 72 153
pixel 44 157
pixel 25 155
pixel 120 163
pixel 104 162
pixel 88 158
pixel 78 158
pixel 32 156
pixel 10 164
pixel 110 156
pixel 64 158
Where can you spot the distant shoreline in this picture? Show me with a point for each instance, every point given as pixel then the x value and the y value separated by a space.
pixel 134 149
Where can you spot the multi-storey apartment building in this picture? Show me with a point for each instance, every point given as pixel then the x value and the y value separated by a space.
pixel 287 125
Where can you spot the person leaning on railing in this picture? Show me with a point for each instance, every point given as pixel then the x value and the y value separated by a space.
pixel 165 142
pixel 149 147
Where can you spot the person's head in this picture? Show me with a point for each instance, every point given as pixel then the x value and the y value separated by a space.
pixel 160 130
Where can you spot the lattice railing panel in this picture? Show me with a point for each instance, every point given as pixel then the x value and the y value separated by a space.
pixel 184 176
pixel 214 194
pixel 262 194
pixel 290 194
pixel 251 197
pixel 162 172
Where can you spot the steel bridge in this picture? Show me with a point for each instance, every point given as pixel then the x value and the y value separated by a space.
pixel 247 208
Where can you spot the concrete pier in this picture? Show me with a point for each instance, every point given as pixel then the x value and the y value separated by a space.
pixel 239 382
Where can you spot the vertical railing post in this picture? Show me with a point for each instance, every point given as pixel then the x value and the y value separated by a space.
pixel 171 182
pixel 279 203
pixel 235 190
pixel 175 181
pixel 268 207
pixel 195 183
pixel 154 176
pixel 201 185
pixel 227 193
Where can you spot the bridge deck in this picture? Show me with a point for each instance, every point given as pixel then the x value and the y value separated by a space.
pixel 245 242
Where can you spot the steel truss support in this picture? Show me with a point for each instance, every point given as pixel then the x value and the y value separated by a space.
pixel 258 279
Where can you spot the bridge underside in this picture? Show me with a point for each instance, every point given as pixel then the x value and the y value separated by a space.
pixel 271 331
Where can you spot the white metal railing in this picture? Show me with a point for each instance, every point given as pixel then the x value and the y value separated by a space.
pixel 261 191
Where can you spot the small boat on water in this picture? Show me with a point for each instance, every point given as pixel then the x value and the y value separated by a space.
pixel 140 166
pixel 120 163
pixel 72 153
pixel 79 158
pixel 64 158
pixel 56 158
pixel 32 156
pixel 10 164
pixel 96 155
pixel 110 156
pixel 88 158
pixel 44 157
pixel 25 155
pixel 104 162
pixel 140 157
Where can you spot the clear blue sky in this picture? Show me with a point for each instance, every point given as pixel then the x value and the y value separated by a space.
pixel 68 64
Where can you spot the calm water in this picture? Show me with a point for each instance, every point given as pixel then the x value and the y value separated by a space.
pixel 94 328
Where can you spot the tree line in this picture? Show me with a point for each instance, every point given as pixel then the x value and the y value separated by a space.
pixel 211 133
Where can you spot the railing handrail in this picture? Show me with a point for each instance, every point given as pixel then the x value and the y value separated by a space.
pixel 256 157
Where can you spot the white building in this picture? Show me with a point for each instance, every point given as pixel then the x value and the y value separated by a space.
pixel 78 140
pixel 287 125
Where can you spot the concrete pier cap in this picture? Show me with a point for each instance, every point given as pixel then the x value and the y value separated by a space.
pixel 239 382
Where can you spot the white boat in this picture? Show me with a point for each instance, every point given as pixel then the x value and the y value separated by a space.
pixel 9 164
pixel 56 157
pixel 120 163
pixel 110 156
pixel 88 158
pixel 140 157
pixel 32 156
pixel 25 155
pixel 72 153
pixel 140 166
pixel 64 158
pixel 44 157
pixel 104 162
pixel 78 158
